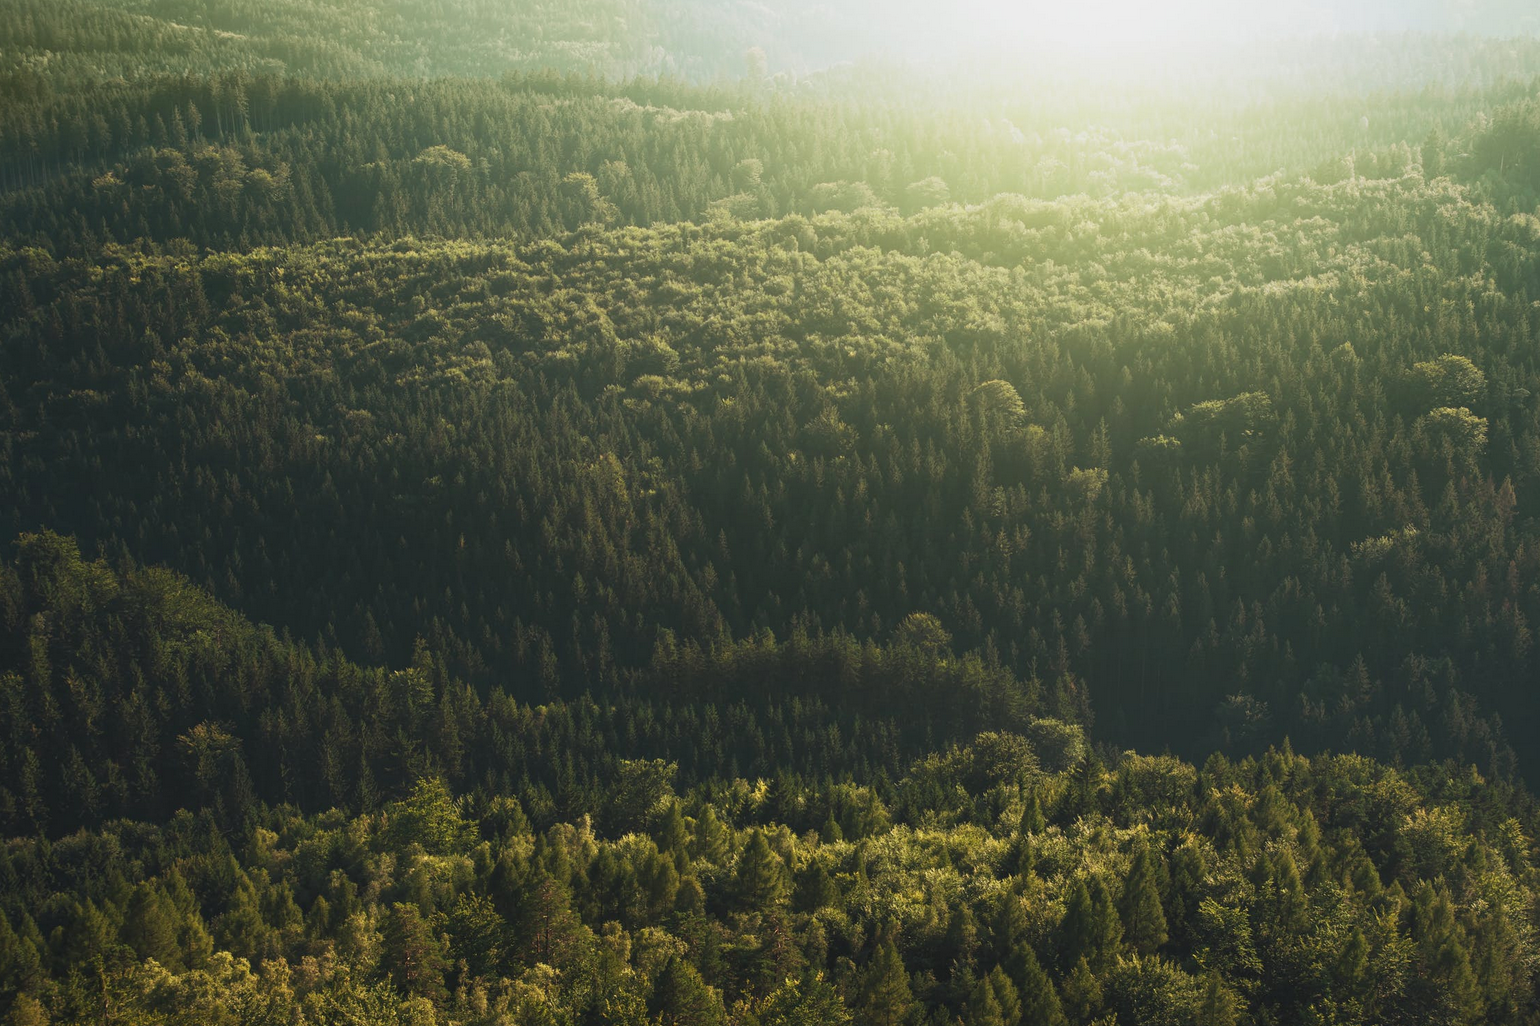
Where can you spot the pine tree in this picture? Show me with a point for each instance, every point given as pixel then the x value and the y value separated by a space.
pixel 1494 955
pixel 1090 928
pixel 886 999
pixel 1032 821
pixel 1039 1001
pixel 816 888
pixel 543 917
pixel 681 998
pixel 412 956
pixel 761 882
pixel 711 838
pixel 150 927
pixel 1006 995
pixel 27 1011
pixel 1288 893
pixel 1107 930
pixel 983 1008
pixel 20 966
pixel 1220 1006
pixel 1081 994
pixel 193 939
pixel 808 1000
pixel 89 936
pixel 1011 930
pixel 1144 922
pixel 673 836
pixel 962 937
pixel 1445 957
pixel 660 883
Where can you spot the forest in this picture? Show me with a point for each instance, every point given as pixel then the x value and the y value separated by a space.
pixel 646 512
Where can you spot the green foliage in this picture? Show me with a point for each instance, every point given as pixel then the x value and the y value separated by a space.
pixel 1090 929
pixel 808 1000
pixel 150 927
pixel 885 995
pixel 761 880
pixel 681 998
pixel 639 794
pixel 1039 1001
pixel 429 817
pixel 718 503
pixel 1449 381
pixel 924 632
pixel 999 398
pixel 411 955
pixel 555 921
pixel 1144 921
pixel 983 1007
pixel 1154 991
pixel 720 539
pixel 1457 432
pixel 1507 146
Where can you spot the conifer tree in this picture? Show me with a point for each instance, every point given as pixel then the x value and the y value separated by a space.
pixel 886 999
pixel 412 956
pixel 660 881
pixel 681 998
pixel 962 938
pixel 1144 921
pixel 1081 993
pixel 1353 965
pixel 1010 931
pixel 90 935
pixel 150 927
pixel 1219 1007
pixel 27 1010
pixel 1039 1001
pixel 711 838
pixel 761 881
pixel 807 1000
pixel 983 1008
pixel 673 836
pixel 1032 821
pixel 1090 928
pixel 20 966
pixel 1006 995
pixel 543 917
pixel 1441 946
pixel 816 888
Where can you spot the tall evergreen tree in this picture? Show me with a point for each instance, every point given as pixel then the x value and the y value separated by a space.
pixel 681 998
pixel 412 955
pixel 150 927
pixel 761 881
pixel 1144 921
pixel 983 1008
pixel 807 1000
pixel 1039 1001
pixel 886 999
pixel 1090 928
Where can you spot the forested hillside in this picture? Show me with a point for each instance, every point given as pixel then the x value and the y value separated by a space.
pixel 235 160
pixel 604 512
pixel 695 40
pixel 1013 878
pixel 1208 471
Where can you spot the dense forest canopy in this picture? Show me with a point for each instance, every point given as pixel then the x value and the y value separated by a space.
pixel 669 512
pixel 692 39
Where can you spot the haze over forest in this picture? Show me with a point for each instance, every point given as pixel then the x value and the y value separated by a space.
pixel 699 513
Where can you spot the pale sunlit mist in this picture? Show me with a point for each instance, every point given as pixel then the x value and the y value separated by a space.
pixel 1111 28
pixel 1098 25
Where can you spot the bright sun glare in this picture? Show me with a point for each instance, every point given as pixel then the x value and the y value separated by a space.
pixel 1099 25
